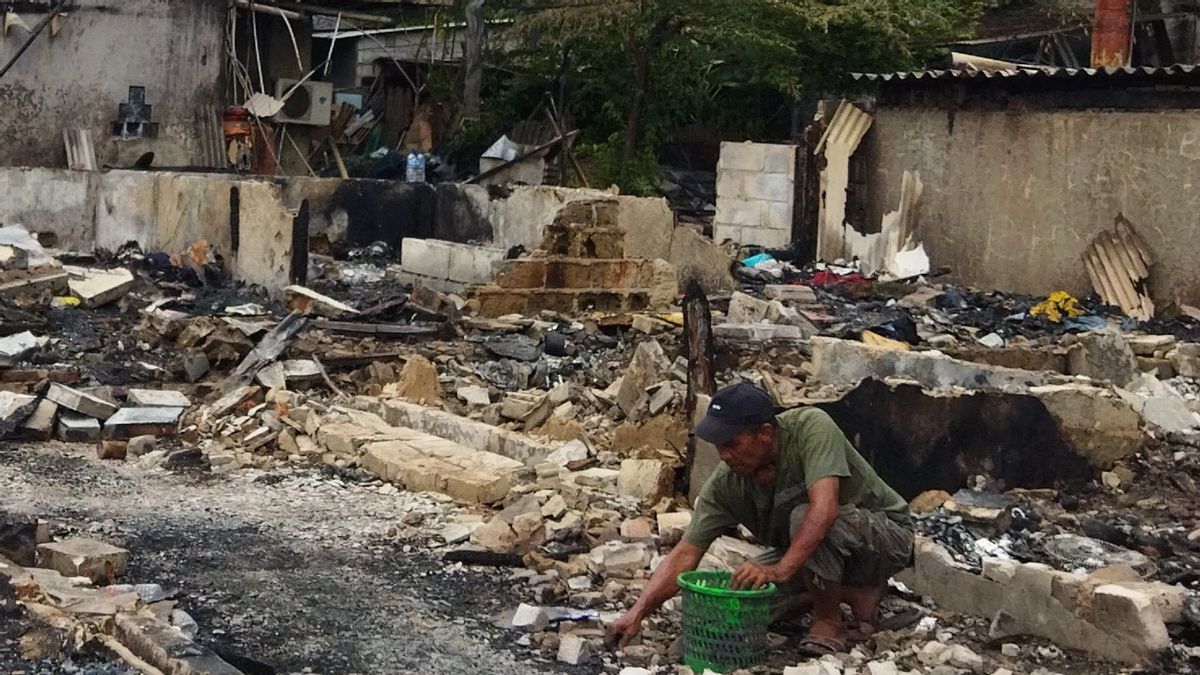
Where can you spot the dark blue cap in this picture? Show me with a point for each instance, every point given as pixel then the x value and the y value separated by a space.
pixel 734 409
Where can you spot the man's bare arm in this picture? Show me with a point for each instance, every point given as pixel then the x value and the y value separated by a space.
pixel 821 515
pixel 661 587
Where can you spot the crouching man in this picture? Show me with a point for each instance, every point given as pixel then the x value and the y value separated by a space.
pixel 838 530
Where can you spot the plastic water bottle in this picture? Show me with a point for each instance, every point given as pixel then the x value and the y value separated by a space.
pixel 416 167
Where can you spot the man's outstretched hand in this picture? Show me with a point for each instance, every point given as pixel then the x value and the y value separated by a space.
pixel 750 576
pixel 621 631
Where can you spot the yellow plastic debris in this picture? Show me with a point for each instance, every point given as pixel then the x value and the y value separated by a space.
pixel 65 301
pixel 1058 305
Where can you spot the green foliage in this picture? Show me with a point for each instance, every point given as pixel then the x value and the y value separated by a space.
pixel 644 68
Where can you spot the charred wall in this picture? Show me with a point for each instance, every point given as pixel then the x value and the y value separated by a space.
pixel 918 441
pixel 80 77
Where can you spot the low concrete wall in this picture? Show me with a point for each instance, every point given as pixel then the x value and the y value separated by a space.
pixel 1011 198
pixel 168 211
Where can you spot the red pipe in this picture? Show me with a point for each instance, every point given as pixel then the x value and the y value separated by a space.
pixel 1112 34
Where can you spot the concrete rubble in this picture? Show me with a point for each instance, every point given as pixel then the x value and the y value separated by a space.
pixel 543 413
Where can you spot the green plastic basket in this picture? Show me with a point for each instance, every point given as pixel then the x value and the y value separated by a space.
pixel 723 629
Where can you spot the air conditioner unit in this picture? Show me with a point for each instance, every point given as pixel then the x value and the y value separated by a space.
pixel 310 103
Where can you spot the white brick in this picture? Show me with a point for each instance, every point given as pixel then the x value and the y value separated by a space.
pixel 767 237
pixel 427 257
pixel 727 232
pixel 731 184
pixel 780 159
pixel 741 212
pixel 462 264
pixel 772 187
pixel 742 157
pixel 779 216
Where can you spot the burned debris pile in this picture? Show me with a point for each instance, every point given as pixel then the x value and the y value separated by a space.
pixel 1050 453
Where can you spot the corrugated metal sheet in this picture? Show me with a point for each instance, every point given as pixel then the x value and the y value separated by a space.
pixel 1032 73
pixel 846 129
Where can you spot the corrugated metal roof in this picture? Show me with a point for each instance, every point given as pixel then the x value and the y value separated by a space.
pixel 1030 73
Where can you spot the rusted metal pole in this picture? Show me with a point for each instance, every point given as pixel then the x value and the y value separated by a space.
pixel 1112 34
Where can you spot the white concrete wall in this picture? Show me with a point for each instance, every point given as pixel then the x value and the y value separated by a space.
pixel 755 194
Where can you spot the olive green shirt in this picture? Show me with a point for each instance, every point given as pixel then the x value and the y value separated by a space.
pixel 811 447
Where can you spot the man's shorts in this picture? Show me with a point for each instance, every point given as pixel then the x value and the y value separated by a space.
pixel 863 548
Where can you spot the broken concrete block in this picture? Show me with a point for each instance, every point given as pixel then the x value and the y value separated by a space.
pixel 474 396
pixel 141 445
pixel 307 301
pixel 570 526
pixel 80 402
pixel 530 619
pixel 76 428
pixel 1186 359
pixel 554 507
pixel 14 410
pixel 96 288
pixel 20 536
pixel 1150 345
pixel 753 332
pixel 418 381
pixel 195 366
pixel 744 308
pixel 572 451
pixel 644 370
pixel 778 313
pixel 727 554
pixel 962 657
pixel 637 529
pixel 616 559
pixel 130 422
pixel 672 526
pixel 13 347
pixel 495 535
pixel 790 293
pixel 89 558
pixel 527 527
pixel 647 479
pixel 847 362
pixel 1130 616
pixel 153 398
pixel 597 477
pixel 1105 356
pixel 574 649
pixel 40 425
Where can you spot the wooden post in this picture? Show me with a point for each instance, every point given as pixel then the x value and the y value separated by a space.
pixel 697 333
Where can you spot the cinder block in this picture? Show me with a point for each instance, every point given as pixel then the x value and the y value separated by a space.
pixel 779 216
pixel 90 558
pixel 742 157
pixel 780 159
pixel 723 232
pixel 495 302
pixel 524 273
pixel 766 237
pixel 771 187
pixel 731 184
pixel 741 212
pixel 483 260
pixel 427 257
